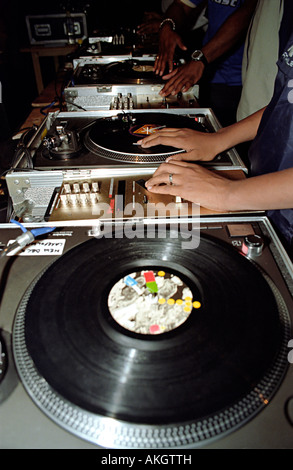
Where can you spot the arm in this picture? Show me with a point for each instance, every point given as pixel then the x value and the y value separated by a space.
pixel 205 146
pixel 183 17
pixel 231 32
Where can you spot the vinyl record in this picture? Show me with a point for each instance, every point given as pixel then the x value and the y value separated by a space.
pixel 219 357
pixel 116 138
pixel 132 71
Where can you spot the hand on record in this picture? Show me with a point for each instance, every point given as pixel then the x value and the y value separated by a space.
pixel 192 183
pixel 182 78
pixel 169 40
pixel 198 145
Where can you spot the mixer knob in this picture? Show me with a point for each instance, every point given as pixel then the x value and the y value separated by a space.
pixel 252 245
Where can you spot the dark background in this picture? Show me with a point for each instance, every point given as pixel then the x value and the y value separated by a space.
pixel 16 71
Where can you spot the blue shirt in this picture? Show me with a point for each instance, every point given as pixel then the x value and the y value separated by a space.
pixel 227 69
pixel 272 148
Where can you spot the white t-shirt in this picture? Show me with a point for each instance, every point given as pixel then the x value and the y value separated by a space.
pixel 260 56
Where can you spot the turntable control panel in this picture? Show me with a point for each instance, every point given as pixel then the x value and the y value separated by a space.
pixel 115 97
pixel 123 197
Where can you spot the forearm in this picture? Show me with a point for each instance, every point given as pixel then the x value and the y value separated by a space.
pixel 232 31
pixel 180 14
pixel 242 131
pixel 264 192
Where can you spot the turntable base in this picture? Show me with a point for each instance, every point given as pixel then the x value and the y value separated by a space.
pixel 196 381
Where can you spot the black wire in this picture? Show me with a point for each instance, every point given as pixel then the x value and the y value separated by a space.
pixel 74 104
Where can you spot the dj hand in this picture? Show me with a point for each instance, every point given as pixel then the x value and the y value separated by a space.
pixel 148 28
pixel 169 40
pixel 182 78
pixel 192 183
pixel 198 145
pixel 150 25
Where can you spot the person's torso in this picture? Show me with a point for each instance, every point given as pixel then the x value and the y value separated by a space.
pixel 272 149
pixel 226 69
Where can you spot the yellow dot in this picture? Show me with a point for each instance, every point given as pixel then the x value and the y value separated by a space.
pixel 188 304
pixel 179 301
pixel 196 304
pixel 170 301
pixel 187 309
pixel 188 298
pixel 162 301
pixel 161 273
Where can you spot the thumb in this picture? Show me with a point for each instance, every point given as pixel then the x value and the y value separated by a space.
pixel 181 45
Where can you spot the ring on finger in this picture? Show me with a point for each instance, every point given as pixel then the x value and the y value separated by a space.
pixel 171 179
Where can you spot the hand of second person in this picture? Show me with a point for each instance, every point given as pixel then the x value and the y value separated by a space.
pixel 182 78
pixel 169 40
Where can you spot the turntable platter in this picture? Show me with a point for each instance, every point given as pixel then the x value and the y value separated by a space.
pixel 200 378
pixel 117 138
pixel 132 71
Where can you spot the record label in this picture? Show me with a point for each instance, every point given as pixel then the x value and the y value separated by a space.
pixel 146 129
pixel 151 302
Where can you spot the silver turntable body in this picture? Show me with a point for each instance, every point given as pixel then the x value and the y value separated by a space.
pixel 89 89
pixel 31 418
pixel 31 189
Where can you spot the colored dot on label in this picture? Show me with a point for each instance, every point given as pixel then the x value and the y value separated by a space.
pixel 154 329
pixel 171 301
pixel 161 273
pixel 188 299
pixel 187 309
pixel 179 301
pixel 196 304
pixel 162 301
pixel 188 303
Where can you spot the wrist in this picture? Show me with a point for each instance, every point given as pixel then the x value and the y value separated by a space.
pixel 226 138
pixel 168 22
pixel 199 56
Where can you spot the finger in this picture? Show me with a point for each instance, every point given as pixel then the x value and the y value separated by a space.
pixel 170 66
pixel 156 63
pixel 164 137
pixel 163 60
pixel 169 75
pixel 172 166
pixel 159 63
pixel 167 169
pixel 167 89
pixel 189 84
pixel 175 84
pixel 164 189
pixel 181 83
pixel 160 179
pixel 181 44
pixel 177 157
pixel 182 157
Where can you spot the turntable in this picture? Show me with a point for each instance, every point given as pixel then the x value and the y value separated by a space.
pixel 207 368
pixel 122 82
pixel 109 139
pixel 130 70
pixel 99 150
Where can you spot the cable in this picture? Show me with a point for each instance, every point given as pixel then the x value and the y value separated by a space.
pixel 26 238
